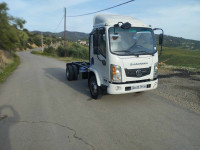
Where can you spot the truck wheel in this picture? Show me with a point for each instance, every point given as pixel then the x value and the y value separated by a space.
pixel 69 73
pixel 75 69
pixel 94 89
pixel 140 92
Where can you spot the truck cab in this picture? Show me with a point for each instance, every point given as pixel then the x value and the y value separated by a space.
pixel 123 57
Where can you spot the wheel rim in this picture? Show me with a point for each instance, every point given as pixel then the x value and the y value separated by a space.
pixel 93 88
pixel 67 73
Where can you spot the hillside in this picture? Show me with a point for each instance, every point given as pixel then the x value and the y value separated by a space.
pixel 179 42
pixel 72 36
pixel 169 41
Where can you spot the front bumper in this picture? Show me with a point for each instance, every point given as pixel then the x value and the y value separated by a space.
pixel 132 87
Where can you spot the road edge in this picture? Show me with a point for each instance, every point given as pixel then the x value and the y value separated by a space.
pixel 10 68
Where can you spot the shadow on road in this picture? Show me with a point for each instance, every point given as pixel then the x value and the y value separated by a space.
pixel 6 122
pixel 81 86
pixel 60 74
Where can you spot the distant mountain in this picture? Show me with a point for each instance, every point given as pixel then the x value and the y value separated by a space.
pixel 169 41
pixel 70 35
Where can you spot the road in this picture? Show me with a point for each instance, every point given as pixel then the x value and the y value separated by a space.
pixel 47 112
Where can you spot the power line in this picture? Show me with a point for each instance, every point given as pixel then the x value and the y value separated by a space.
pixel 102 9
pixel 59 24
pixel 93 12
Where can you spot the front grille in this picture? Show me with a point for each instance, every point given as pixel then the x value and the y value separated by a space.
pixel 137 72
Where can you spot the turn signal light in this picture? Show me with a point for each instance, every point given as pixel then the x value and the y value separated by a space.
pixel 113 70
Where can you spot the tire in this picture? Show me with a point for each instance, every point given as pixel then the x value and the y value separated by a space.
pixel 94 88
pixel 75 69
pixel 69 73
pixel 140 92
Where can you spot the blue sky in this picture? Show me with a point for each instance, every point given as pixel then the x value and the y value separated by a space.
pixel 179 18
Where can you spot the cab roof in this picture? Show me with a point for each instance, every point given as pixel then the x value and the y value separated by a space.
pixel 111 20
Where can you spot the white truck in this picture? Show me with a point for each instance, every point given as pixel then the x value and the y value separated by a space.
pixel 122 57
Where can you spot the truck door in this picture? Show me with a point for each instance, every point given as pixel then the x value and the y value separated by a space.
pixel 98 54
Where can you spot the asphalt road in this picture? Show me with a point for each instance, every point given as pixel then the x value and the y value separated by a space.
pixel 46 112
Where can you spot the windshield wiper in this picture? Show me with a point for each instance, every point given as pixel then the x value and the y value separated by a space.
pixel 122 51
pixel 143 52
pixel 129 52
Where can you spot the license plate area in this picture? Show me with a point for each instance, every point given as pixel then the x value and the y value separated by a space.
pixel 139 87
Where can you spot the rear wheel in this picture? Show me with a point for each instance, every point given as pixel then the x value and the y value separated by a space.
pixel 140 92
pixel 75 69
pixel 69 73
pixel 94 89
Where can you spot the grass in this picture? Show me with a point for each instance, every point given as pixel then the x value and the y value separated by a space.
pixel 9 68
pixel 40 53
pixel 180 59
pixel 66 59
pixel 171 58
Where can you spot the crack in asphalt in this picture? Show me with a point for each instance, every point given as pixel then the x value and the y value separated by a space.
pixel 64 126
pixel 3 117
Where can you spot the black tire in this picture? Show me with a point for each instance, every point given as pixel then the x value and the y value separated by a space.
pixel 94 88
pixel 69 73
pixel 75 69
pixel 140 92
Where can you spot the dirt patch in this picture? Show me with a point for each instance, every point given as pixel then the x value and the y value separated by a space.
pixel 5 58
pixel 182 87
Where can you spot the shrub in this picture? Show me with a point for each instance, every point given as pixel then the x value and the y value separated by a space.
pixel 61 51
pixel 73 50
pixel 49 50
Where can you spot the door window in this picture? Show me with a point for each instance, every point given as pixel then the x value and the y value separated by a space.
pixel 99 42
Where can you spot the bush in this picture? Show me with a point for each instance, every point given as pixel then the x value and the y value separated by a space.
pixel 73 50
pixel 49 50
pixel 61 51
pixel 37 40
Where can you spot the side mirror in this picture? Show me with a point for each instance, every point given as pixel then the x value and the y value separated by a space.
pixel 160 39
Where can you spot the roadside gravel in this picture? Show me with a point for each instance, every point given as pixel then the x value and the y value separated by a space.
pixel 181 87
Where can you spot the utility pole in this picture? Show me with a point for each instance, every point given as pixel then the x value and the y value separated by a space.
pixel 65 42
pixel 42 41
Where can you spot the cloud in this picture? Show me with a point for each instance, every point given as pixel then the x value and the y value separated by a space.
pixel 181 21
pixel 179 18
pixel 41 15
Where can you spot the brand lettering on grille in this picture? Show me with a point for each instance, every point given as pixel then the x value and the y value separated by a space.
pixel 132 64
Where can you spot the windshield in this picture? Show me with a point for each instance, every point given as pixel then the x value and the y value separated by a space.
pixel 132 41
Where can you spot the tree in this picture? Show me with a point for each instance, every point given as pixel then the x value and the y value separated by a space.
pixel 11 32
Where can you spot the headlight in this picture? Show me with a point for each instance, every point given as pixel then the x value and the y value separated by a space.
pixel 115 73
pixel 155 74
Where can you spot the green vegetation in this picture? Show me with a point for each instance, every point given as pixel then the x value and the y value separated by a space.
pixel 180 58
pixel 14 37
pixel 178 52
pixel 66 59
pixel 40 53
pixel 72 50
pixel 8 68
pixel 169 41
pixel 178 42
pixel 171 57
pixel 71 36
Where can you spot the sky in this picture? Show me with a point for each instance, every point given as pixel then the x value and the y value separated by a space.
pixel 180 18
